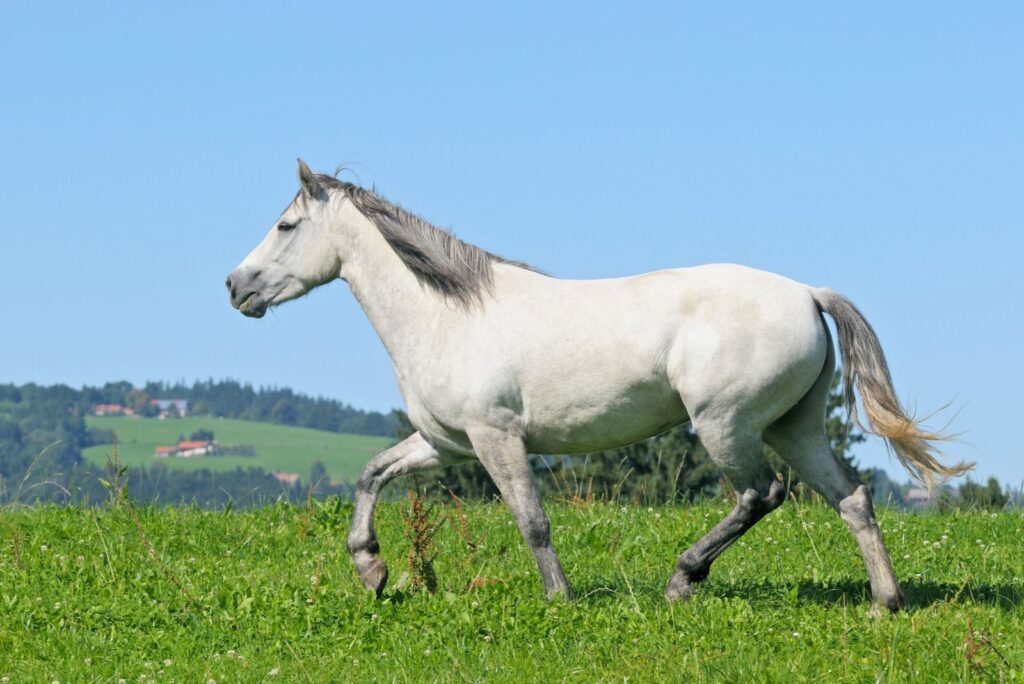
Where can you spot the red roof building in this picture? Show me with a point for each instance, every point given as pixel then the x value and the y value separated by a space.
pixel 111 410
pixel 188 448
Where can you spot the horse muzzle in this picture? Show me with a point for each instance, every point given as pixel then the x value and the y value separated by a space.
pixel 245 293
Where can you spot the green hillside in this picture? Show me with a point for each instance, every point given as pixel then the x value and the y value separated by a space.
pixel 278 447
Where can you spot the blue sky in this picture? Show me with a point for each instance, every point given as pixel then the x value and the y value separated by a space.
pixel 874 148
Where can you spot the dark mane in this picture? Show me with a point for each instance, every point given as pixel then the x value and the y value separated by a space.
pixel 454 269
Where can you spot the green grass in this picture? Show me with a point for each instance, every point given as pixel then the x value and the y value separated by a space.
pixel 270 595
pixel 278 447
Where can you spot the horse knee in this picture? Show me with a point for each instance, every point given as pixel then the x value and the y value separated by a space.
pixel 692 566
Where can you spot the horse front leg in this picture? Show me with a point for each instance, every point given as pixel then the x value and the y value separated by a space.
pixel 503 455
pixel 412 453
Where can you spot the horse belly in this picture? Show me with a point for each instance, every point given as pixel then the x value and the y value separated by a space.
pixel 576 419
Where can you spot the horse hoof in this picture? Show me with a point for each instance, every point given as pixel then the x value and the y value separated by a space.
pixel 560 594
pixel 678 591
pixel 887 605
pixel 374 576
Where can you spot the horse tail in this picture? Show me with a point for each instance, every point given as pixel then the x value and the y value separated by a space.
pixel 865 368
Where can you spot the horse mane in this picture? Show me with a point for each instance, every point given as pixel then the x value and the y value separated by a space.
pixel 456 270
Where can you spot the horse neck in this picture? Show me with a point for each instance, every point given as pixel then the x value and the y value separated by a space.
pixel 398 306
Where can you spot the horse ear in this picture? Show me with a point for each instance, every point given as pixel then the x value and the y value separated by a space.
pixel 309 182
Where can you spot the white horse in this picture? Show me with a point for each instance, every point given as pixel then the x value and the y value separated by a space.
pixel 496 360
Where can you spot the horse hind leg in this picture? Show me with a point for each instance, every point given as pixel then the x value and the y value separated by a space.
pixel 799 438
pixel 758 492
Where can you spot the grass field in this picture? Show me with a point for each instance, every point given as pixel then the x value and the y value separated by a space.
pixel 278 447
pixel 270 595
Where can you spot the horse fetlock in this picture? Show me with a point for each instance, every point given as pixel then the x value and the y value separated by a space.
pixel 362 543
pixel 692 568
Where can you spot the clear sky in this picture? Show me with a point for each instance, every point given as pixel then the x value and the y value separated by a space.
pixel 877 148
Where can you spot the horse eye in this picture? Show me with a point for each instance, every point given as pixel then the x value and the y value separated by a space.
pixel 284 226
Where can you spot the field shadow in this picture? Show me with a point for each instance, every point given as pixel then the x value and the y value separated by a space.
pixel 918 593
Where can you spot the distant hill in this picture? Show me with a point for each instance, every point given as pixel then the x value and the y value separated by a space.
pixel 278 448
pixel 53 448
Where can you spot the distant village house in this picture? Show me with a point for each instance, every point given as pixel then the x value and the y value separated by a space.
pixel 188 449
pixel 918 497
pixel 111 410
pixel 287 478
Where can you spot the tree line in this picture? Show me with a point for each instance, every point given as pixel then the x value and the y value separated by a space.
pixel 43 433
pixel 233 399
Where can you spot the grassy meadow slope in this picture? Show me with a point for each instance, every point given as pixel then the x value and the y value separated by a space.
pixel 178 594
pixel 278 447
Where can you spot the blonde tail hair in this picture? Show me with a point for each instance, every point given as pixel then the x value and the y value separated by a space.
pixel 865 368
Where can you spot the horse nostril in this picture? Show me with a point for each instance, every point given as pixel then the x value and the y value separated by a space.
pixel 227 282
